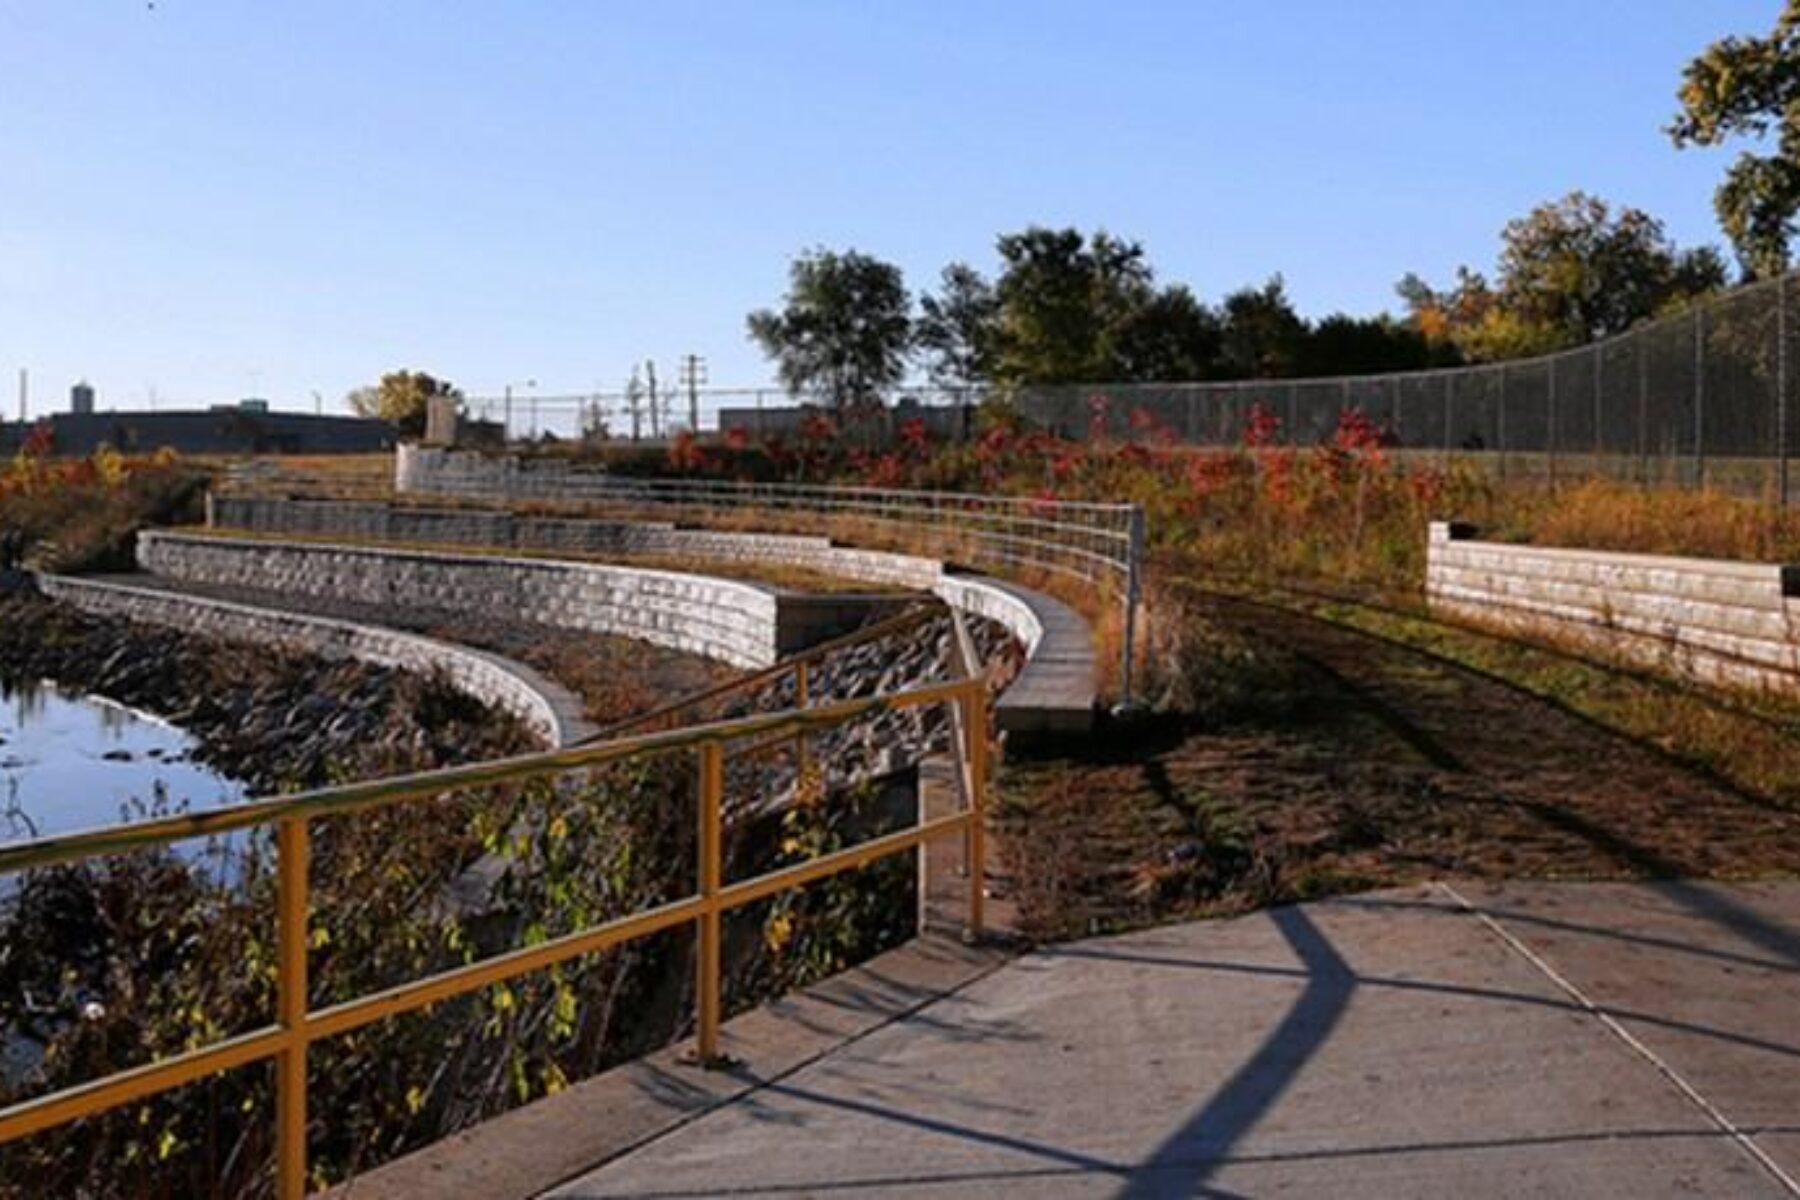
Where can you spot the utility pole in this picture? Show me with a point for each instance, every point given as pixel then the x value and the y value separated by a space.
pixel 634 402
pixel 693 374
pixel 655 401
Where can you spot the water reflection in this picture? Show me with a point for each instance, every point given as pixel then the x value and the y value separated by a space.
pixel 69 761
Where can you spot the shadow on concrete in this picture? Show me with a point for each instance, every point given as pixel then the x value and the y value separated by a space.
pixel 1519 916
pixel 1443 989
pixel 1185 1160
pixel 1020 1178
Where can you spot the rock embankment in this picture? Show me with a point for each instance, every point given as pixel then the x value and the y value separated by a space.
pixel 274 720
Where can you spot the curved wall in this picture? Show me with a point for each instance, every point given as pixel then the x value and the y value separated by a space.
pixel 551 712
pixel 1055 691
pixel 720 619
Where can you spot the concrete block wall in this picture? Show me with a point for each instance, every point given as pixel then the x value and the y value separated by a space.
pixel 732 622
pixel 1055 690
pixel 548 709
pixel 1730 623
pixel 499 528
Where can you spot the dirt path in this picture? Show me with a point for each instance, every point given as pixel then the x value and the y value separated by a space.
pixel 1360 762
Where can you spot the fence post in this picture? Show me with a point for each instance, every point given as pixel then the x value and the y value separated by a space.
pixel 1699 396
pixel 1449 416
pixel 1643 422
pixel 1599 353
pixel 1500 421
pixel 293 849
pixel 707 947
pixel 1134 557
pixel 1781 386
pixel 1550 438
pixel 1293 422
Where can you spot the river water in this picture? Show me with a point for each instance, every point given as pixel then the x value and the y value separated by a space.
pixel 69 762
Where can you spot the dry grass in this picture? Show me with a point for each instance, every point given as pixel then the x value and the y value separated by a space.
pixel 1311 757
pixel 1600 515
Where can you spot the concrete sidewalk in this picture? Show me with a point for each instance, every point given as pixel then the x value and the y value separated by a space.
pixel 1424 1042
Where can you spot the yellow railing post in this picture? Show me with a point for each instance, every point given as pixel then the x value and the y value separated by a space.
pixel 802 697
pixel 975 719
pixel 295 1026
pixel 708 949
pixel 293 845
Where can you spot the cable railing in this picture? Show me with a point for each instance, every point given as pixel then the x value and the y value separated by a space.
pixel 1090 544
pixel 1085 544
pixel 297 1025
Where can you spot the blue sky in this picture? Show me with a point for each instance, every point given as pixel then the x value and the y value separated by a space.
pixel 211 199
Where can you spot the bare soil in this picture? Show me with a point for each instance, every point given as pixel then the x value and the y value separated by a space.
pixel 1348 761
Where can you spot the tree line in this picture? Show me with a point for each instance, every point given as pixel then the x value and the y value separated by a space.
pixel 1069 308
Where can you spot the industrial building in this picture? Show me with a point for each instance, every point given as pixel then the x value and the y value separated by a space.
pixel 248 427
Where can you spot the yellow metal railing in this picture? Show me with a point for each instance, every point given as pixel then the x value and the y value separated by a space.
pixel 297 1026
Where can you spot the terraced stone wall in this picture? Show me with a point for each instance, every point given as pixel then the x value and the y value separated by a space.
pixel 1731 623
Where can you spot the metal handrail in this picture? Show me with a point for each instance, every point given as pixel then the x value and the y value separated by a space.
pixel 794 664
pixel 297 1026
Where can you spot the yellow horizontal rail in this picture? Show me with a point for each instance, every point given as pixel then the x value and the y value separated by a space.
pixel 122 1087
pixel 297 1027
pixel 162 831
pixel 916 614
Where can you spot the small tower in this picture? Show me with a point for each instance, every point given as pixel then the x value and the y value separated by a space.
pixel 81 399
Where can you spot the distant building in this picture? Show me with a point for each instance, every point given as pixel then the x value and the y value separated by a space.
pixel 227 429
pixel 81 399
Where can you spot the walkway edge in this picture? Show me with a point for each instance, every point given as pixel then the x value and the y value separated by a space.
pixel 552 1141
pixel 1693 1094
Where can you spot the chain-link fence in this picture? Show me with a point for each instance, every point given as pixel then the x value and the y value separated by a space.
pixel 643 417
pixel 1703 398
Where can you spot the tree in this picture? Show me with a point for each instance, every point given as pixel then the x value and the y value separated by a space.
pixel 1169 337
pixel 1750 87
pixel 1263 334
pixel 1575 267
pixel 402 398
pixel 1571 271
pixel 844 331
pixel 958 328
pixel 1062 301
pixel 1345 345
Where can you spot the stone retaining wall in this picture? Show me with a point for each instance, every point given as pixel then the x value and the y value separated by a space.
pixel 548 709
pixel 1731 623
pixel 1055 692
pixel 721 619
pixel 582 535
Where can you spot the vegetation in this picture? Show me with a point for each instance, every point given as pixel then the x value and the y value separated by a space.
pixel 843 331
pixel 84 514
pixel 1072 309
pixel 157 952
pixel 1749 87
pixel 1571 272
pixel 403 398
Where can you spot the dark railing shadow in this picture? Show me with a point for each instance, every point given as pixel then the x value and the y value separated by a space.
pixel 1387 983
pixel 1189 1156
